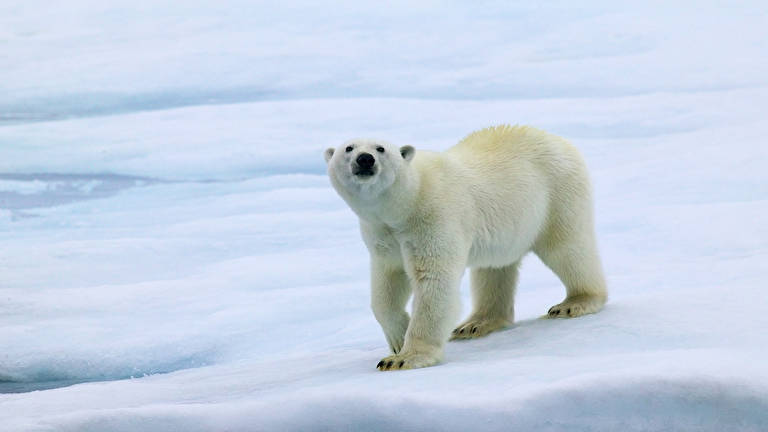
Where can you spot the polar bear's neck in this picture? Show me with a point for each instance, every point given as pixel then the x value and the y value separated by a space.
pixel 394 205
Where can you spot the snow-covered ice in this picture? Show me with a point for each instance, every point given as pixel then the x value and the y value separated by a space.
pixel 173 257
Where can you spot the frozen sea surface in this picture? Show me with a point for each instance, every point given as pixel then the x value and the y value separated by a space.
pixel 173 257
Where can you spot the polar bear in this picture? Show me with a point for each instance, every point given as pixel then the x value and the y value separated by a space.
pixel 484 203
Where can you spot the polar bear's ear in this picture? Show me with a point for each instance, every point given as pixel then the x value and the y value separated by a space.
pixel 407 152
pixel 328 154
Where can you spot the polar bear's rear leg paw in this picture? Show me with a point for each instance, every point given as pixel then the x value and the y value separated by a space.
pixel 407 361
pixel 493 293
pixel 477 328
pixel 577 306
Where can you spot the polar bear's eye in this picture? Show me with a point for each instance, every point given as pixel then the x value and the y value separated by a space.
pixel 380 149
pixel 348 149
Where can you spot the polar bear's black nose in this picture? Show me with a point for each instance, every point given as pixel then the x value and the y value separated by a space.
pixel 365 160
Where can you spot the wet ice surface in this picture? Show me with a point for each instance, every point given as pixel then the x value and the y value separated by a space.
pixel 24 387
pixel 184 261
pixel 24 191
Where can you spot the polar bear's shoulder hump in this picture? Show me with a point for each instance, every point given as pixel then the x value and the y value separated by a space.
pixel 502 137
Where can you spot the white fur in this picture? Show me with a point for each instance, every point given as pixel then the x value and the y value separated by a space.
pixel 484 203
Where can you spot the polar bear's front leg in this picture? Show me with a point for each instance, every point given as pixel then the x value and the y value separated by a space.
pixel 435 283
pixel 390 290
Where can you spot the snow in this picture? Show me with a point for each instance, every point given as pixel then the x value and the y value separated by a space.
pixel 174 258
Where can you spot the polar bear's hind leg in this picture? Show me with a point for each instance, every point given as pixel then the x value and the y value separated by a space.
pixel 577 264
pixel 493 299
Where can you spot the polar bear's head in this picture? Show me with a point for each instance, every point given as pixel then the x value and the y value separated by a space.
pixel 363 169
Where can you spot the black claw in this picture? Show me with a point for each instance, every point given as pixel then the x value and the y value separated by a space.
pixel 389 364
pixel 569 311
pixel 402 363
pixel 461 331
pixel 381 363
pixel 474 330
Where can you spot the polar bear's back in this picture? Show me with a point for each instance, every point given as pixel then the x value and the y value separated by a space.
pixel 500 154
pixel 513 152
pixel 497 144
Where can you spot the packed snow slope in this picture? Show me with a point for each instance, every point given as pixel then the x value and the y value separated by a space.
pixel 173 257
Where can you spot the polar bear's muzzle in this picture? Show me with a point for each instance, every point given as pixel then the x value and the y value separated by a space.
pixel 364 165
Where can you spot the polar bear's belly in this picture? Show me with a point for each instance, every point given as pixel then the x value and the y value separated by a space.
pixel 499 245
pixel 498 252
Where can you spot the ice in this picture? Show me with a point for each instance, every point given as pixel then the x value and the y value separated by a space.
pixel 173 257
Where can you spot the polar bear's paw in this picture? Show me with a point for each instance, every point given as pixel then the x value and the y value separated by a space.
pixel 407 361
pixel 576 306
pixel 477 328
